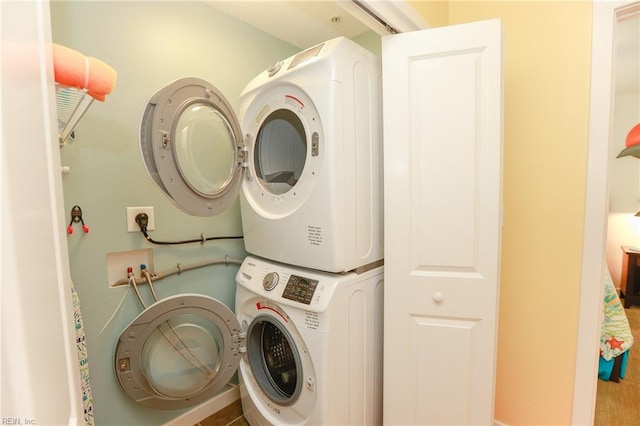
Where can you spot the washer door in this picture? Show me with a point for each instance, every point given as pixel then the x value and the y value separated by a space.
pixel 277 374
pixel 274 360
pixel 192 146
pixel 178 352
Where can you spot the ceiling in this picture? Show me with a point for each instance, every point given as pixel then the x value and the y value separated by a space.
pixel 302 23
pixel 305 23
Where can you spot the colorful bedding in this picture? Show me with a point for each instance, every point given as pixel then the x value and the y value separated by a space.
pixel 615 336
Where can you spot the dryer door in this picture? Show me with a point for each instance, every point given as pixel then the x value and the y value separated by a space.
pixel 178 352
pixel 285 151
pixel 192 146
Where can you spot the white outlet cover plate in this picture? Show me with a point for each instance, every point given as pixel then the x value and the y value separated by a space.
pixel 132 212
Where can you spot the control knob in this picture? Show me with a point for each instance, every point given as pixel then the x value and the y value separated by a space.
pixel 270 281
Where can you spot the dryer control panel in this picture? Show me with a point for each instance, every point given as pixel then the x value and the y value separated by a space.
pixel 300 289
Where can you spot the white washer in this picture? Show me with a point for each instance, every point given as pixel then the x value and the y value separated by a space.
pixel 307 156
pixel 313 345
pixel 308 346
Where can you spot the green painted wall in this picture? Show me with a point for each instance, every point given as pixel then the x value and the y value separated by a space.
pixel 149 44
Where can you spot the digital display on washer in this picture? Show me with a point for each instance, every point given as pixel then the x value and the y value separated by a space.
pixel 300 289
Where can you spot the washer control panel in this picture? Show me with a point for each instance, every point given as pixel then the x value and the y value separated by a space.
pixel 270 281
pixel 300 289
pixel 290 286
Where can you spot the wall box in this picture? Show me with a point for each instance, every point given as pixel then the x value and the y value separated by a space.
pixel 118 262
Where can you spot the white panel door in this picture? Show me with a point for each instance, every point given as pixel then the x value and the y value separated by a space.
pixel 443 194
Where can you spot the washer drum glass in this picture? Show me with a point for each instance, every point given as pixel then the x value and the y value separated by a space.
pixel 274 361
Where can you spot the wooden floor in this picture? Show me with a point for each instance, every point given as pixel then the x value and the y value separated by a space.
pixel 619 403
pixel 228 416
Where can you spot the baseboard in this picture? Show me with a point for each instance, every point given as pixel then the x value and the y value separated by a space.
pixel 206 409
pixel 499 423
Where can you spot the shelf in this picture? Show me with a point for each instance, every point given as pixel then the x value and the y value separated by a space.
pixel 71 104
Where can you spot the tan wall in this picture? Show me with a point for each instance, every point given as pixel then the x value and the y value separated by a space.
pixel 547 53
pixel 436 13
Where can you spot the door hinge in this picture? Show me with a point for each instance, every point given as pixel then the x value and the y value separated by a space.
pixel 166 140
pixel 243 152
pixel 241 339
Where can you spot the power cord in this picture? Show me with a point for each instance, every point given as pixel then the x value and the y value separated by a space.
pixel 142 219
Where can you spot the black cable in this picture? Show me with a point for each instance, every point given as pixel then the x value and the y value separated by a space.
pixel 142 220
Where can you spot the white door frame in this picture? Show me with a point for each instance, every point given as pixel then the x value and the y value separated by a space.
pixel 40 366
pixel 605 17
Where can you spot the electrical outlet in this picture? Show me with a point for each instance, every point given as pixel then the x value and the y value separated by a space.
pixel 132 212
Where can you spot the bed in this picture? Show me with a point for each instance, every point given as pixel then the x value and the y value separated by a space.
pixel 615 337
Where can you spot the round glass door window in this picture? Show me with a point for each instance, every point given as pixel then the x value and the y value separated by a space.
pixel 182 356
pixel 280 151
pixel 178 352
pixel 189 140
pixel 205 149
pixel 274 361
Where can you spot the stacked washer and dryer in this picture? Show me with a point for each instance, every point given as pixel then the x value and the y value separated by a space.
pixel 306 335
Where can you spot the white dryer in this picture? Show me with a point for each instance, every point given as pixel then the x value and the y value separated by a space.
pixel 306 158
pixel 307 345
